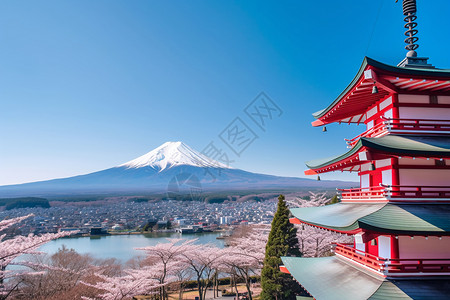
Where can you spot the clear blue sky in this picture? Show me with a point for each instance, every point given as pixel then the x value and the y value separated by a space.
pixel 87 85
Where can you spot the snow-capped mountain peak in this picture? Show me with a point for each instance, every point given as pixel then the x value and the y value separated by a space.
pixel 172 154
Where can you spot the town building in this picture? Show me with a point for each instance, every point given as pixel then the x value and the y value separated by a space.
pixel 400 214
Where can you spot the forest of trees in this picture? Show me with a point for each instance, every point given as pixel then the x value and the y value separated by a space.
pixel 11 203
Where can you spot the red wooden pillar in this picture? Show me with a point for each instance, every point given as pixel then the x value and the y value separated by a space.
pixel 394 247
pixel 395 113
pixel 395 174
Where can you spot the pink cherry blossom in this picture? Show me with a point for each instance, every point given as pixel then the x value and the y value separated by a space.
pixel 18 245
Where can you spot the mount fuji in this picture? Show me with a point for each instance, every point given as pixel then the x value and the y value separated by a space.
pixel 163 169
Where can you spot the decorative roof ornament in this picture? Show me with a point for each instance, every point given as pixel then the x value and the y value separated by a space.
pixel 409 10
pixel 411 60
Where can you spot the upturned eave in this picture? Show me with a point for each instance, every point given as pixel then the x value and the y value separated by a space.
pixel 383 218
pixel 436 147
pixel 351 104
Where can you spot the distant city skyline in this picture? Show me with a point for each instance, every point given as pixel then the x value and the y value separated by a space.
pixel 91 85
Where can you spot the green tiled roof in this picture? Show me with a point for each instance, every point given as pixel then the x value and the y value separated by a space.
pixel 386 218
pixel 328 278
pixel 418 289
pixel 396 144
pixel 322 162
pixel 368 61
pixel 410 144
pixel 413 218
pixel 340 216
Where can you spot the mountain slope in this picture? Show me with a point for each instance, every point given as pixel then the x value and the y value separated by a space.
pixel 160 170
pixel 172 154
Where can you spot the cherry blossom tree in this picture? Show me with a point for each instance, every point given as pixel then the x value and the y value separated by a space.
pixel 317 242
pixel 182 274
pixel 164 263
pixel 168 255
pixel 203 261
pixel 131 283
pixel 245 255
pixel 61 274
pixel 11 248
pixel 315 199
pixel 313 241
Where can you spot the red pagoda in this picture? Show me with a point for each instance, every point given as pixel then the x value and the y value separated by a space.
pixel 400 214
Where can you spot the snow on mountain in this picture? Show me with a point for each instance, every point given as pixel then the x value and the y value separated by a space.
pixel 171 154
pixel 154 172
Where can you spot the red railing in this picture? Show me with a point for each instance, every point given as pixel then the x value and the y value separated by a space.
pixel 417 125
pixel 369 260
pixel 408 191
pixel 393 192
pixel 369 193
pixel 403 126
pixel 417 266
pixel 390 266
pixel 374 131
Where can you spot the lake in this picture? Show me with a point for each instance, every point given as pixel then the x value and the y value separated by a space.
pixel 122 247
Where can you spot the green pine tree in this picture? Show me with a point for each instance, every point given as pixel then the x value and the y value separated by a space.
pixel 282 242
pixel 334 200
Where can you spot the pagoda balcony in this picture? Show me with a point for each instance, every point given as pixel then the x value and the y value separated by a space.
pixel 394 266
pixel 376 193
pixel 396 193
pixel 414 192
pixel 378 130
pixel 403 126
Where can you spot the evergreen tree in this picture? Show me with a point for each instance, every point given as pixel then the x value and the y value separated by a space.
pixel 334 200
pixel 282 242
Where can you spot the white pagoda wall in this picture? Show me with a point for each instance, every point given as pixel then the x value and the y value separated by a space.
pixel 365 181
pixel 420 247
pixel 406 98
pixel 386 174
pixel 359 244
pixel 432 113
pixel 386 177
pixel 424 177
pixel 444 99
pixel 384 246
pixel 377 109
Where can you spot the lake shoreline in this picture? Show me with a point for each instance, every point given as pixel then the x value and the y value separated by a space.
pixel 123 246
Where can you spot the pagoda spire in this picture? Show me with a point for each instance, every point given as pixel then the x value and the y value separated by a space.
pixel 409 11
pixel 411 60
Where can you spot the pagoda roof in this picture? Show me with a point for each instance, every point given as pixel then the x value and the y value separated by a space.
pixel 343 281
pixel 400 145
pixel 408 219
pixel 357 97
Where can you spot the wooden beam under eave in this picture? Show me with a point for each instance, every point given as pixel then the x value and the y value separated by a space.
pixel 365 87
pixel 425 86
pixel 359 120
pixel 438 86
pixel 354 119
pixel 412 84
pixel 387 86
pixel 408 81
pixel 368 99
